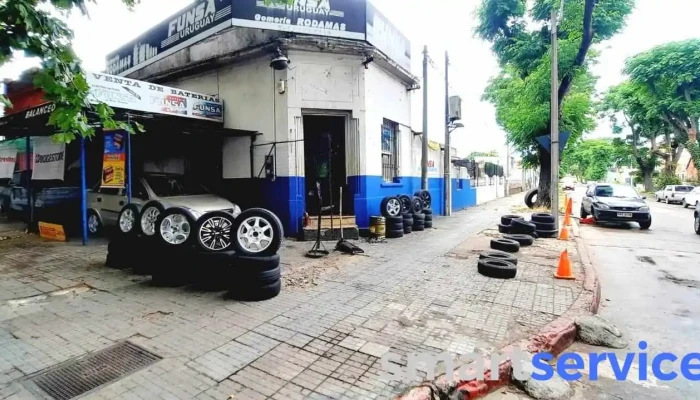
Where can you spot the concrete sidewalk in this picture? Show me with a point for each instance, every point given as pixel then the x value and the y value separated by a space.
pixel 322 339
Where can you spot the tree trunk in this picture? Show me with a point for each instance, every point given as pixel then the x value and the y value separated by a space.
pixel 543 194
pixel 647 174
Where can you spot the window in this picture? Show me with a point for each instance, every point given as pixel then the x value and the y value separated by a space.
pixel 390 150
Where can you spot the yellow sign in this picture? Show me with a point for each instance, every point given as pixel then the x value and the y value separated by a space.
pixel 114 160
pixel 52 231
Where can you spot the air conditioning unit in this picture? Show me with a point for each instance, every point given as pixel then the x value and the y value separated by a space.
pixel 455 105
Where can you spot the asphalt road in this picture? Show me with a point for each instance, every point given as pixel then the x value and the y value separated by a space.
pixel 651 292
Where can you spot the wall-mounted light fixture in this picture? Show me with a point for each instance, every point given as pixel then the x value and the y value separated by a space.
pixel 368 60
pixel 279 61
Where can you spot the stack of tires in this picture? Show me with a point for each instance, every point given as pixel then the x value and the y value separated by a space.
pixel 541 225
pixel 405 214
pixel 179 244
pixel 544 225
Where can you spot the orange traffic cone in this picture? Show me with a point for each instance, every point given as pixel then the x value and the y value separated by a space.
pixel 569 205
pixel 564 235
pixel 564 268
pixel 567 219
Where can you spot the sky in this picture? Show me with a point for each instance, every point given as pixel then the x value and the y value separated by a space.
pixel 445 25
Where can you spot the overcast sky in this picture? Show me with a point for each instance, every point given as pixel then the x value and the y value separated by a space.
pixel 441 25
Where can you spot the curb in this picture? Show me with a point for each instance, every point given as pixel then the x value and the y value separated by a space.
pixel 553 338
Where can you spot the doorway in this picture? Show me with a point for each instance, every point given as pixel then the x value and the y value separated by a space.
pixel 324 158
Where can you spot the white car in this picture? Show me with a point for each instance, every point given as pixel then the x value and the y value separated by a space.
pixel 673 193
pixel 692 198
pixel 105 204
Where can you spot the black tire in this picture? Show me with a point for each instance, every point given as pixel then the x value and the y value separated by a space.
pixel 529 197
pixel 497 269
pixel 256 293
pixel 174 267
pixel 418 218
pixel 405 203
pixel 425 197
pixel 407 229
pixel 428 217
pixel 148 216
pixel 542 217
pixel 394 221
pixel 645 225
pixel 408 221
pixel 168 220
pixel 507 245
pixel 428 224
pixel 218 259
pixel 246 264
pixel 498 255
pixel 271 226
pixel 503 228
pixel 533 235
pixel 213 232
pixel 524 240
pixel 390 206
pixel 521 226
pixel 696 223
pixel 418 228
pixel 584 214
pixel 416 205
pixel 547 233
pixel 505 219
pixel 92 214
pixel 134 214
pixel 545 226
pixel 394 234
pixel 260 278
pixel 428 211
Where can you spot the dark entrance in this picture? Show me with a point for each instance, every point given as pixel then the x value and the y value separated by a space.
pixel 324 156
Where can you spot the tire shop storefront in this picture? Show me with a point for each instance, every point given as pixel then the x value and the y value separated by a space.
pixel 159 190
pixel 339 113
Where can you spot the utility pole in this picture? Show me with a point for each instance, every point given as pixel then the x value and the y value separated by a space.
pixel 424 149
pixel 448 178
pixel 506 189
pixel 554 106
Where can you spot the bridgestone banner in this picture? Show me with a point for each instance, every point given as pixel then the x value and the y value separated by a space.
pixel 8 158
pixel 49 159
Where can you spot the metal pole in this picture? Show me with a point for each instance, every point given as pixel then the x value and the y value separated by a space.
pixel 554 106
pixel 424 149
pixel 129 191
pixel 83 191
pixel 30 169
pixel 448 177
pixel 507 171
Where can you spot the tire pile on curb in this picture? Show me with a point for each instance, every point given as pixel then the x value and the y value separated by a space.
pixel 176 245
pixel 500 262
pixel 405 214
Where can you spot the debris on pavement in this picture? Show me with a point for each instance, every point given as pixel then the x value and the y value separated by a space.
pixel 556 388
pixel 596 331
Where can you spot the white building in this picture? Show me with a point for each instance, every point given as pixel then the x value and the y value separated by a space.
pixel 346 93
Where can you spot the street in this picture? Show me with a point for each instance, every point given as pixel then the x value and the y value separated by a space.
pixel 651 292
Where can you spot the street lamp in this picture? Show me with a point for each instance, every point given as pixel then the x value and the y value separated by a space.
pixel 454 125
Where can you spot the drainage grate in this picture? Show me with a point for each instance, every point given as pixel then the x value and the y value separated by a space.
pixel 75 377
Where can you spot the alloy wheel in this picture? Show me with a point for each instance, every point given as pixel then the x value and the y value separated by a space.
pixel 148 221
pixel 126 221
pixel 93 224
pixel 255 234
pixel 394 207
pixel 215 233
pixel 175 229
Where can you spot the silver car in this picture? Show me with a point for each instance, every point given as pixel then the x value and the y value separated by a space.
pixel 104 204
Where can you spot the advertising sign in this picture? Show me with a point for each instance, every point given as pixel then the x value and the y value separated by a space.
pixel 383 35
pixel 49 159
pixel 8 158
pixel 114 160
pixel 119 92
pixel 190 25
pixel 334 18
pixel 52 231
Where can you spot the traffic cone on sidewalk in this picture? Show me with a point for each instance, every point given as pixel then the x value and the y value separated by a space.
pixel 567 219
pixel 564 235
pixel 569 211
pixel 564 268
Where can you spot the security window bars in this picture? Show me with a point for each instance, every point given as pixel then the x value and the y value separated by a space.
pixel 390 150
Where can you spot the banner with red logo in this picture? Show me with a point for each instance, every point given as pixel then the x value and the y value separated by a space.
pixel 8 158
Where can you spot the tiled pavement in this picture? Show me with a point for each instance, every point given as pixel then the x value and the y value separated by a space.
pixel 320 342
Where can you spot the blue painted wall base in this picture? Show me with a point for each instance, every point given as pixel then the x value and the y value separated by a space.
pixel 286 197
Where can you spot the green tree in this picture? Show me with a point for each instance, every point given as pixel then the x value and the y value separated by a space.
pixel 590 160
pixel 492 153
pixel 631 108
pixel 521 40
pixel 28 27
pixel 671 73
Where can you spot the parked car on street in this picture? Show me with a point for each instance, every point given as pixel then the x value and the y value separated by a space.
pixel 692 198
pixel 104 203
pixel 615 203
pixel 673 193
pixel 568 184
pixel 56 195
